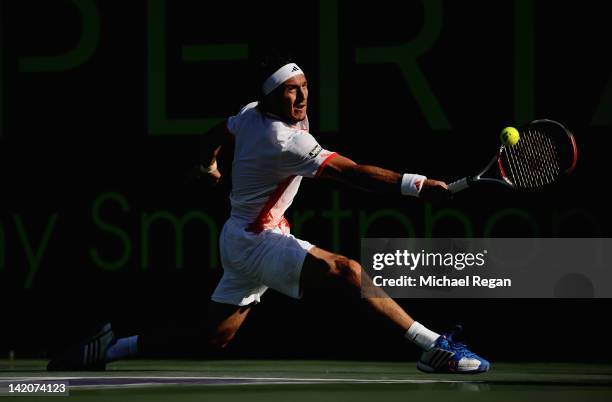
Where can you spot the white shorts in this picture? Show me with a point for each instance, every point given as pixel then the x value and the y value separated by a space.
pixel 254 262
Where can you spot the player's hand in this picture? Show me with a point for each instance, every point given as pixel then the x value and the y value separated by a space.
pixel 197 175
pixel 212 177
pixel 435 191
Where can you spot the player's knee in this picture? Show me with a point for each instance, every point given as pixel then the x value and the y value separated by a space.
pixel 333 268
pixel 346 269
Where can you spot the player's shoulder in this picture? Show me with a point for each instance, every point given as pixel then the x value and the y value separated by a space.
pixel 249 107
pixel 244 119
pixel 247 110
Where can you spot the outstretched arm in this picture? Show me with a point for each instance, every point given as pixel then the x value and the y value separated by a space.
pixel 376 179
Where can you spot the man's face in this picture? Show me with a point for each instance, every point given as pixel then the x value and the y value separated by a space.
pixel 294 98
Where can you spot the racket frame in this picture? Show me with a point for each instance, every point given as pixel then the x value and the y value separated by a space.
pixel 468 181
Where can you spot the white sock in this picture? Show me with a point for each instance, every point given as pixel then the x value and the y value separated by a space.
pixel 424 338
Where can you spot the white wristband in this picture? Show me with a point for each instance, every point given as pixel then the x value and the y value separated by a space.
pixel 209 169
pixel 412 183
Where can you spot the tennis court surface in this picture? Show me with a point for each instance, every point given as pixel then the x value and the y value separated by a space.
pixel 318 381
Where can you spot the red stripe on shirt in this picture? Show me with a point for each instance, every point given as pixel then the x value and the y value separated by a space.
pixel 325 162
pixel 265 217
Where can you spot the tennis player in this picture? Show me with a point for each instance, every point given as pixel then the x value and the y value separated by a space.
pixel 274 151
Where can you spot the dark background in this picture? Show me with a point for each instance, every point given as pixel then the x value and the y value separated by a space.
pixel 80 139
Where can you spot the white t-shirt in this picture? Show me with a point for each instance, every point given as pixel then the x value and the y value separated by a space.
pixel 270 159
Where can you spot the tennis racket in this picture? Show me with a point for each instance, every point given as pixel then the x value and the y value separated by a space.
pixel 545 152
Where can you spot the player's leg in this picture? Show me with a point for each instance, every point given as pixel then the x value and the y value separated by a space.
pixel 224 321
pixel 293 266
pixel 215 333
pixel 322 268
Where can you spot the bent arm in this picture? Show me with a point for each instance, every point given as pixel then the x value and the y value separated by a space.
pixel 211 144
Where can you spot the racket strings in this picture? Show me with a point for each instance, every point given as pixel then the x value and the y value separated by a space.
pixel 541 160
pixel 533 161
pixel 520 176
pixel 534 152
pixel 552 165
pixel 516 174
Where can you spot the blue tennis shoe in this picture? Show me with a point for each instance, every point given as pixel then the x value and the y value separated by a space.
pixel 448 356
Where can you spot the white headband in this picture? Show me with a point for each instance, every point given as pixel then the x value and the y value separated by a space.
pixel 281 75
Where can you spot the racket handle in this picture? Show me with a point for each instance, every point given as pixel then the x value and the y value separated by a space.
pixel 459 185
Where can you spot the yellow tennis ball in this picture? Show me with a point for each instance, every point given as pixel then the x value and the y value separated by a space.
pixel 509 136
